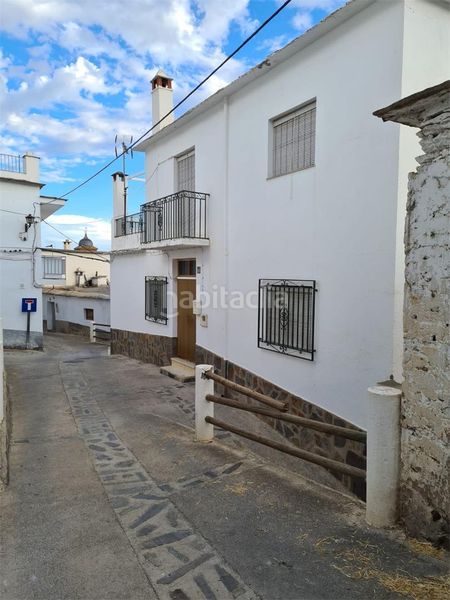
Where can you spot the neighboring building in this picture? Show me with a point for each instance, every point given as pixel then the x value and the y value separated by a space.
pixel 21 211
pixel 76 287
pixel 81 267
pixel 283 187
pixel 72 310
pixel 425 412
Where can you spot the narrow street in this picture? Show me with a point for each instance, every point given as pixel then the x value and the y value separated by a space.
pixel 110 497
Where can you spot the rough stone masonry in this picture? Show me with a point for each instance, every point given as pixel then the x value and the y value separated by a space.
pixel 424 493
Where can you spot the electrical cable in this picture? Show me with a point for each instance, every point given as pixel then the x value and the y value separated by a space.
pixel 80 255
pixel 198 86
pixel 66 237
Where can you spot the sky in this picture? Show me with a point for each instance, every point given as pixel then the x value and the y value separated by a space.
pixel 74 73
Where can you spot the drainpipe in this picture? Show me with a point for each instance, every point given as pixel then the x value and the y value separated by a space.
pixel 226 222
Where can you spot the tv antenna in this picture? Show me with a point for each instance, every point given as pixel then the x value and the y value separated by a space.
pixel 123 145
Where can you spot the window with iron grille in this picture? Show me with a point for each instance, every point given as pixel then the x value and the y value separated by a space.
pixel 156 299
pixel 54 267
pixel 294 141
pixel 186 172
pixel 286 310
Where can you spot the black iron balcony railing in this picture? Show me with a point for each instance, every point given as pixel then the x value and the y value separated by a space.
pixel 128 225
pixel 12 162
pixel 180 215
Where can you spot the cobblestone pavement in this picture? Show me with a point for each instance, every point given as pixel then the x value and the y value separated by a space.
pixel 180 564
pixel 110 498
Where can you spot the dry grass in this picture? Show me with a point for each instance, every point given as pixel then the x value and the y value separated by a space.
pixel 240 489
pixel 355 564
pixel 426 548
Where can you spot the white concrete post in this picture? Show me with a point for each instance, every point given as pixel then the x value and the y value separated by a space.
pixel 383 455
pixel 91 332
pixel 204 432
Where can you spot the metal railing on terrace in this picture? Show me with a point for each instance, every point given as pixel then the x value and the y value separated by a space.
pixel 12 162
pixel 180 215
pixel 128 225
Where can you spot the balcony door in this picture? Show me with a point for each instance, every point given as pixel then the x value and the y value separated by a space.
pixel 186 182
pixel 186 284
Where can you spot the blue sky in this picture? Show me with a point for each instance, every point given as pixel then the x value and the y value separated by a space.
pixel 76 73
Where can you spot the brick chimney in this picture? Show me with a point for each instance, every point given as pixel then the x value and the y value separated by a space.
pixel 162 99
pixel 66 244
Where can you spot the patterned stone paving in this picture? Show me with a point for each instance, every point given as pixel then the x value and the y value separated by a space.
pixel 180 564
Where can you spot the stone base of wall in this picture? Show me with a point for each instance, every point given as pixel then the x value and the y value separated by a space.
pixel 17 339
pixel 340 449
pixel 74 328
pixel 5 436
pixel 156 349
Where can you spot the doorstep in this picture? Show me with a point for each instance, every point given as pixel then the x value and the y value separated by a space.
pixel 180 369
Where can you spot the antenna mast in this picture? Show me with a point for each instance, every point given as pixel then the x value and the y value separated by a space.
pixel 123 148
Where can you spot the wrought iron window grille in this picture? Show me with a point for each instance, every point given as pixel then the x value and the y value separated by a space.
pixel 156 299
pixel 286 314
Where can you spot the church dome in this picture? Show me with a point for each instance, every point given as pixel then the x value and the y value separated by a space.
pixel 85 244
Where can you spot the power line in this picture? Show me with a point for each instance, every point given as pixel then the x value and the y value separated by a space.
pixel 198 86
pixel 80 255
pixel 67 237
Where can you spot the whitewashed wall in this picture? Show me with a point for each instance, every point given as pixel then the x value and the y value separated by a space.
pixel 16 274
pixel 70 309
pixel 336 223
pixel 89 265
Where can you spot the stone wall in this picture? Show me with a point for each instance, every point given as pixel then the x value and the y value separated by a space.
pixel 337 448
pixel 5 435
pixel 425 409
pixel 425 412
pixel 156 349
pixel 69 327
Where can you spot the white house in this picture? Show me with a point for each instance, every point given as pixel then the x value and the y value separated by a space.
pixel 21 210
pixel 72 310
pixel 76 287
pixel 296 200
pixel 82 266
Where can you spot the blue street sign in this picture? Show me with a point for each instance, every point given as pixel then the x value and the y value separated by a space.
pixel 29 304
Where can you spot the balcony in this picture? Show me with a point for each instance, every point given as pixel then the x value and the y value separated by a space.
pixel 175 221
pixel 12 163
pixel 128 225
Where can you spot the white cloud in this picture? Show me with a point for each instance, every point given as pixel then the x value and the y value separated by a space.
pixel 73 228
pixel 88 76
pixel 302 21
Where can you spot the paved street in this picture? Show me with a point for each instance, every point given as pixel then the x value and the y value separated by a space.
pixel 109 497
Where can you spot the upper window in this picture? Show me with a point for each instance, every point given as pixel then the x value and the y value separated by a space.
pixel 294 141
pixel 54 267
pixel 286 316
pixel 156 299
pixel 186 172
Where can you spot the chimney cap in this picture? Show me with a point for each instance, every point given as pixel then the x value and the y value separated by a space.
pixel 160 73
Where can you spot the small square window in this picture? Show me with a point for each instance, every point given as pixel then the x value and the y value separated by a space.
pixel 89 314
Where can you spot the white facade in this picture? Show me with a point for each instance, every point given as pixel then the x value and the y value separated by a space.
pixel 72 311
pixel 69 268
pixel 339 222
pixel 20 260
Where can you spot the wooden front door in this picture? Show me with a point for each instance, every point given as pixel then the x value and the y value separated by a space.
pixel 186 318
